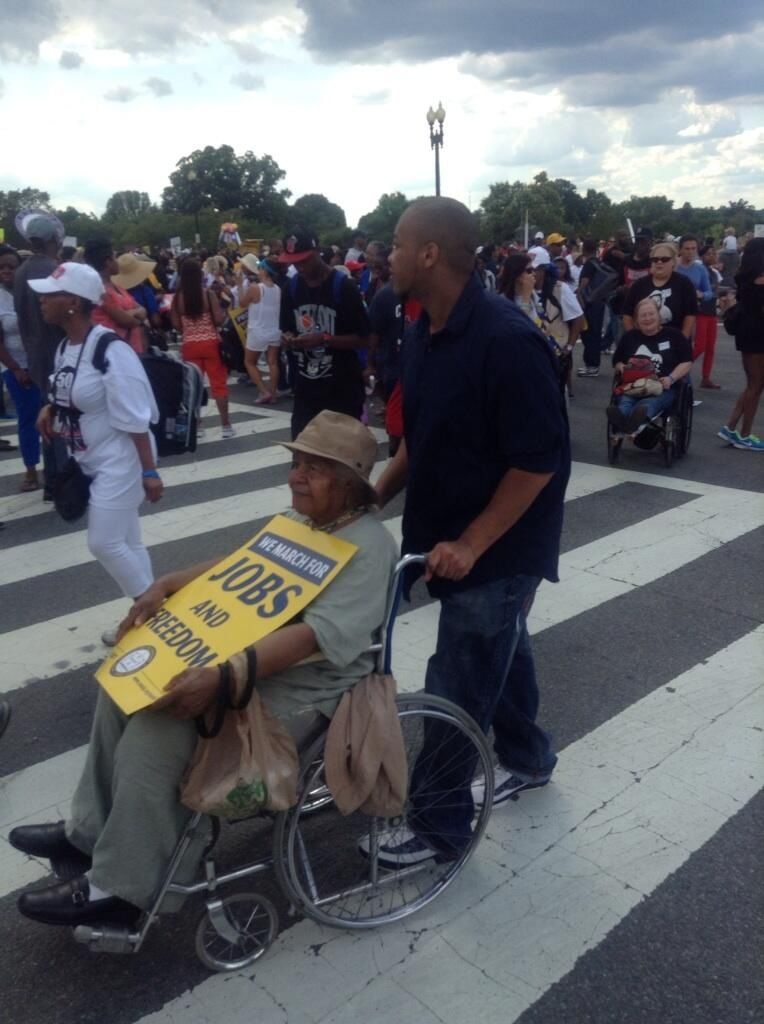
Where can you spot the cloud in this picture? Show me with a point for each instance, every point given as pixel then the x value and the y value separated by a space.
pixel 247 81
pixel 372 99
pixel 70 60
pixel 159 86
pixel 145 29
pixel 122 94
pixel 198 79
pixel 248 52
pixel 2 88
pixel 25 26
pixel 613 55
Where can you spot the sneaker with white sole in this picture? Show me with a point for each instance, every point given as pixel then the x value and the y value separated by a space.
pixel 588 371
pixel 506 786
pixel 730 436
pixel 397 848
pixel 751 443
pixel 109 636
pixel 228 432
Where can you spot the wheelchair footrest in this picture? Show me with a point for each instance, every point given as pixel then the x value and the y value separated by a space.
pixel 105 938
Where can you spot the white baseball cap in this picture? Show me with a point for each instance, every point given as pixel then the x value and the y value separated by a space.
pixel 74 279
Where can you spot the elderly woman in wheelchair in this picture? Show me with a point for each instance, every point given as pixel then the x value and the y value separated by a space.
pixel 670 356
pixel 126 818
pixel 129 842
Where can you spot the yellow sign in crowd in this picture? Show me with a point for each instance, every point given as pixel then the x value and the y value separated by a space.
pixel 241 599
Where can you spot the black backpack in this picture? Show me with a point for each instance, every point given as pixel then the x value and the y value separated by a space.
pixel 604 282
pixel 179 393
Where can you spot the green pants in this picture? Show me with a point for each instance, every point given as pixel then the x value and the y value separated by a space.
pixel 126 813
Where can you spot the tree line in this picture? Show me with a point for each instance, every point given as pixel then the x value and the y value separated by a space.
pixel 213 185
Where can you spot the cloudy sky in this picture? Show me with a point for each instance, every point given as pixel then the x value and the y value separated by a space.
pixel 98 96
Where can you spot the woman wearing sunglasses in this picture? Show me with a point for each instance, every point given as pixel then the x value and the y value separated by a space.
pixel 672 292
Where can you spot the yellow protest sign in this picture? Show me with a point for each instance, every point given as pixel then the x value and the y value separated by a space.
pixel 239 319
pixel 237 602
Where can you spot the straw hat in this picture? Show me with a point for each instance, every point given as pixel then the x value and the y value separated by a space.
pixel 343 439
pixel 132 270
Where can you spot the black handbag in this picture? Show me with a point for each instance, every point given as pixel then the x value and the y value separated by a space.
pixel 71 491
pixel 71 487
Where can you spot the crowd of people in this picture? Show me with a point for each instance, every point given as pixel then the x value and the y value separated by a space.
pixel 471 347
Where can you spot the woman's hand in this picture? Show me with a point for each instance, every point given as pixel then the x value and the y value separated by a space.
pixel 190 693
pixel 666 382
pixel 143 608
pixel 45 423
pixel 153 488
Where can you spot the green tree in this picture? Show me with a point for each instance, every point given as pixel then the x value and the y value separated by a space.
pixel 81 226
pixel 216 178
pixel 656 212
pixel 380 223
pixel 315 211
pixel 127 205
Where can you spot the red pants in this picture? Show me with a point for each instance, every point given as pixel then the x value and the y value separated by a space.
pixel 206 355
pixel 705 342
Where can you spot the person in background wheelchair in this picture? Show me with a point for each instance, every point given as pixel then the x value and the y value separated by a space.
pixel 671 355
pixel 126 817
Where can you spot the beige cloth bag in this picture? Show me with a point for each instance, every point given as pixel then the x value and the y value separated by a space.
pixel 364 755
pixel 250 766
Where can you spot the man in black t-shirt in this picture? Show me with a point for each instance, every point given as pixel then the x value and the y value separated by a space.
pixel 323 319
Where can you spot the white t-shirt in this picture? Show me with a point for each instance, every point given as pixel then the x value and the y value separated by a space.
pixel 730 243
pixel 353 254
pixel 263 319
pixel 10 324
pixel 97 417
pixel 571 308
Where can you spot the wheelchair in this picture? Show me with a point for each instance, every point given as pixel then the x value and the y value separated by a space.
pixel 317 852
pixel 672 430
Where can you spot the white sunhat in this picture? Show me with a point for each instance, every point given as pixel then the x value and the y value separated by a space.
pixel 74 279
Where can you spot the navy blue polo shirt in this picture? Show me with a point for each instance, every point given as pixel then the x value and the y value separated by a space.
pixel 480 397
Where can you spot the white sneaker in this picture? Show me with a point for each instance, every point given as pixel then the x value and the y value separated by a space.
pixel 506 787
pixel 229 432
pixel 109 636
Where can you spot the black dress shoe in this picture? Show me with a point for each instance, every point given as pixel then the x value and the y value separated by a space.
pixel 69 903
pixel 46 841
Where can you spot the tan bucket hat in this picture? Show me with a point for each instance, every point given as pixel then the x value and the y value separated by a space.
pixel 132 270
pixel 340 438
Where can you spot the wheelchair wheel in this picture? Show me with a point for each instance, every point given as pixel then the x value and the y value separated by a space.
pixel 613 447
pixel 328 866
pixel 236 932
pixel 685 429
pixel 670 437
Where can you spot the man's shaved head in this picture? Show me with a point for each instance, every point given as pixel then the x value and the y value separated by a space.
pixel 448 224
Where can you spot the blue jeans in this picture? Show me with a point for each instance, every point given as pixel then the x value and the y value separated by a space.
pixel 483 663
pixel 28 403
pixel 654 405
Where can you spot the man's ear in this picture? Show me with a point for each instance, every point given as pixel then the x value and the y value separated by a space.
pixel 430 254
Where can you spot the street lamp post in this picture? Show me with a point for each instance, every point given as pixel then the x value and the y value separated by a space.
pixel 191 178
pixel 436 138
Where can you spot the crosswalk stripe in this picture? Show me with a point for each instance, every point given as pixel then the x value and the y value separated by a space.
pixel 66 648
pixel 25 561
pixel 260 423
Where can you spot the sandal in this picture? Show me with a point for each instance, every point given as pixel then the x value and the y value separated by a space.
pixel 29 485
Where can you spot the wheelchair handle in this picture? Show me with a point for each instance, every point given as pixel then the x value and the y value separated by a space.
pixel 383 648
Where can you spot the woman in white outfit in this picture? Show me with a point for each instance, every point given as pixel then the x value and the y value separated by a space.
pixel 263 299
pixel 103 416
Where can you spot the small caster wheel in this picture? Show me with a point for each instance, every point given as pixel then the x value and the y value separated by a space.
pixel 235 931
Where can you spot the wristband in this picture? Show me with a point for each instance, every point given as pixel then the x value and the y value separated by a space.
pixel 150 474
pixel 671 378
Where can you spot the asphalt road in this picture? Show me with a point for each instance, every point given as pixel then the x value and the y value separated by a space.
pixel 688 950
